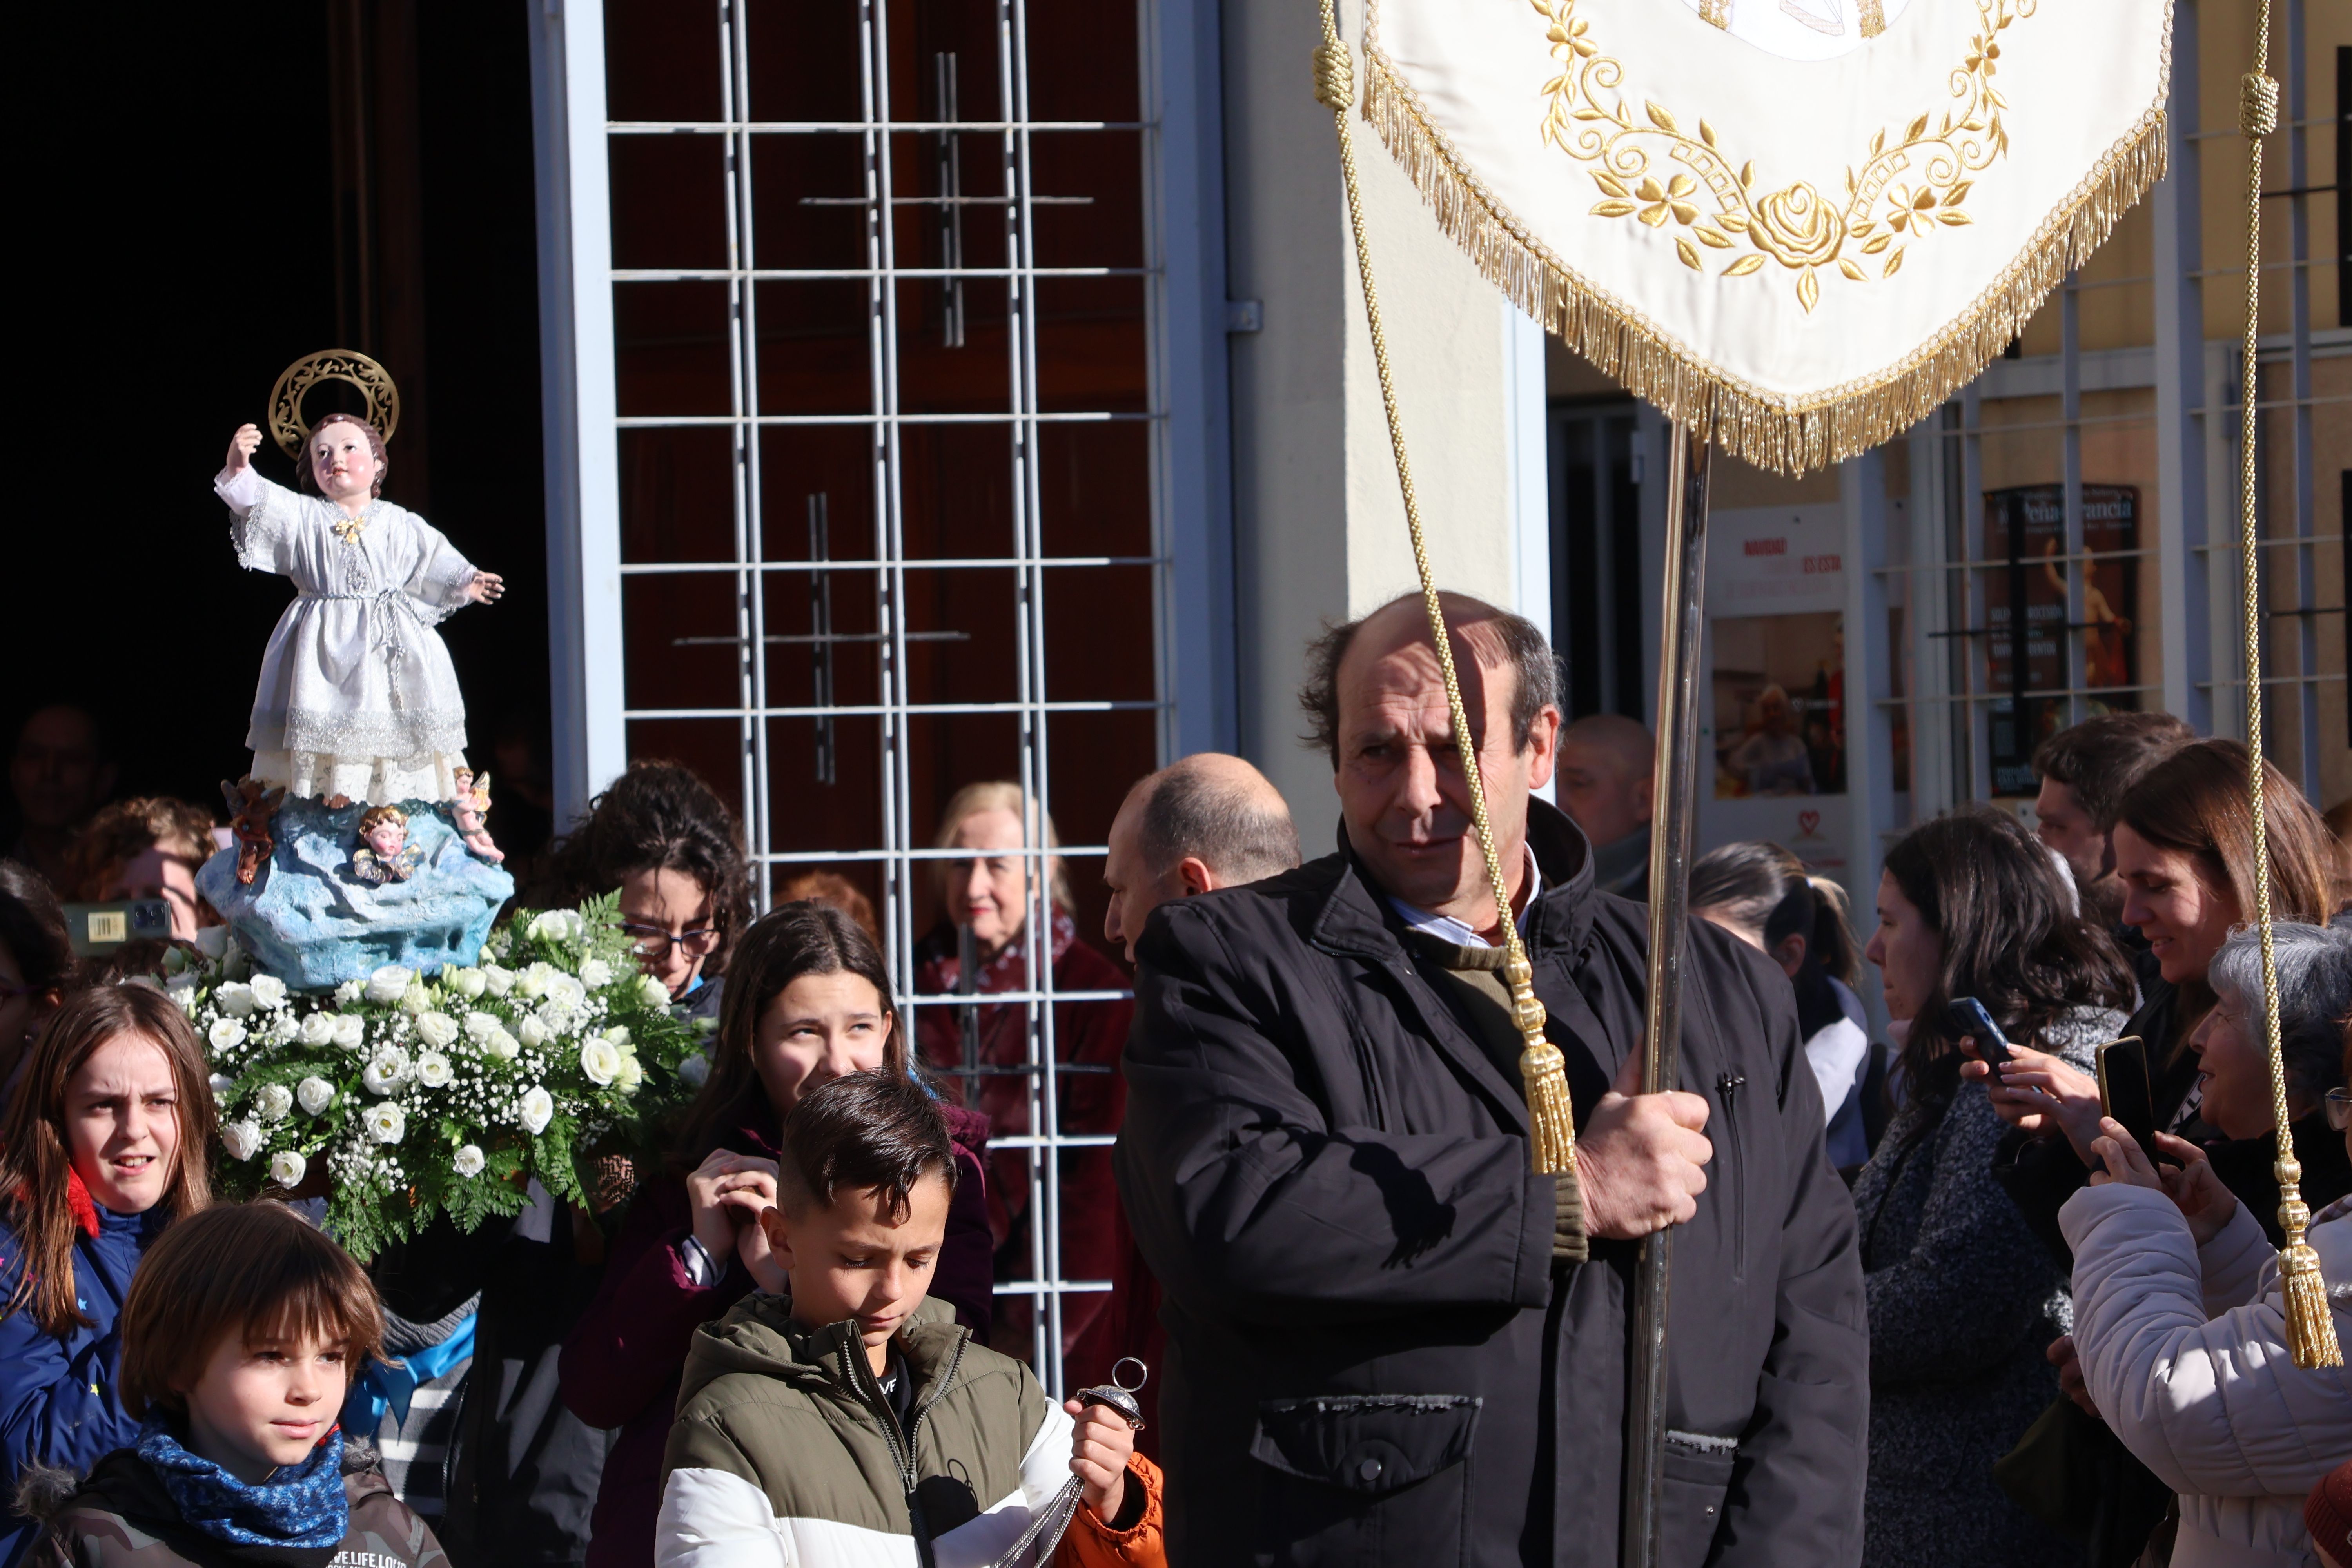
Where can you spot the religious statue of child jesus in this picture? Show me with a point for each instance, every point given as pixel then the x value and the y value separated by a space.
pixel 357 696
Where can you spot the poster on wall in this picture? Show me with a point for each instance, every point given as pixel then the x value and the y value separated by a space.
pixel 1775 725
pixel 2024 550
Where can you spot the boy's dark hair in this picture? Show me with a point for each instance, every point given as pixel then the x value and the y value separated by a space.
pixel 260 1266
pixel 2102 757
pixel 878 1130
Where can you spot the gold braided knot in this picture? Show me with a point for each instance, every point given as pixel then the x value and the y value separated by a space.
pixel 1334 76
pixel 2257 104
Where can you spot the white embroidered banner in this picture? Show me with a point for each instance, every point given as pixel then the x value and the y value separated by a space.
pixel 1798 224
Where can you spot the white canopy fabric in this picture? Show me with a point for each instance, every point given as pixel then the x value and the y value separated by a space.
pixel 1795 224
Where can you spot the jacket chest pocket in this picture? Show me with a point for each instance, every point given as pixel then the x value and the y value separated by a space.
pixel 1365 1479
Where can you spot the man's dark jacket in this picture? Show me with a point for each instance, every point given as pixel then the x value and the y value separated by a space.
pixel 1373 1357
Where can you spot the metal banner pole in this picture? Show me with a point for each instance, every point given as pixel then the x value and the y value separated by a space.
pixel 1681 622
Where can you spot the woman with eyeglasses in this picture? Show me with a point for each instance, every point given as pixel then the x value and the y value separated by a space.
pixel 2179 1328
pixel 668 844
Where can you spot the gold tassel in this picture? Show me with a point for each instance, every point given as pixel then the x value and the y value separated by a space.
pixel 2310 1322
pixel 1551 1113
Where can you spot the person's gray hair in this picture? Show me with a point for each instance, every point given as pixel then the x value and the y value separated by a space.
pixel 1224 824
pixel 1529 655
pixel 2315 988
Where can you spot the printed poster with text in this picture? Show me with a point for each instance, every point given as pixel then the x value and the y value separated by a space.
pixel 1773 730
pixel 2025 563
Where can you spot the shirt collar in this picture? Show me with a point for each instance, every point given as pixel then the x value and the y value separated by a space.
pixel 1445 927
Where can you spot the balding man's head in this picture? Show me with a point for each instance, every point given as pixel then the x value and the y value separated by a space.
pixel 1376 700
pixel 1606 764
pixel 1208 821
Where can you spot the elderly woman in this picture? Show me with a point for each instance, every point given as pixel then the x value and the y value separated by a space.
pixel 982 945
pixel 2178 1320
pixel 105 1144
pixel 1963 1298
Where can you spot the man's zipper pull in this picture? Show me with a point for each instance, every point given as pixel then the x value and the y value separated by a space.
pixel 1728 1086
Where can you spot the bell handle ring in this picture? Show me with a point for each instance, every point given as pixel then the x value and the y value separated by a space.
pixel 1118 1395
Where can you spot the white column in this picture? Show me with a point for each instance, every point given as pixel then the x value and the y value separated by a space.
pixel 578 403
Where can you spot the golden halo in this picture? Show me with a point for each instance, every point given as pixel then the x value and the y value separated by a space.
pixel 330 365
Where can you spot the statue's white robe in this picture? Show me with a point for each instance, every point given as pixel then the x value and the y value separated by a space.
pixel 357 696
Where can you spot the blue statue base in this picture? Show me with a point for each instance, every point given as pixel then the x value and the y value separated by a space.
pixel 311 921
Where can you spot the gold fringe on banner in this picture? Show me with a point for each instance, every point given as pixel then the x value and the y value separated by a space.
pixel 1749 423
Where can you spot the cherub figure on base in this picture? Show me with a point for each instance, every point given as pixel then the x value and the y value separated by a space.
pixel 250 807
pixel 384 854
pixel 472 810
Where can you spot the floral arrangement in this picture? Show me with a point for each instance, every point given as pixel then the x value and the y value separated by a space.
pixel 442 1095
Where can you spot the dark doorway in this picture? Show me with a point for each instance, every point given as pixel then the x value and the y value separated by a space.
pixel 1596 559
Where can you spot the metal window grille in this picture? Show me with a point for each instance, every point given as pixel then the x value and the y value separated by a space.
pixel 948 262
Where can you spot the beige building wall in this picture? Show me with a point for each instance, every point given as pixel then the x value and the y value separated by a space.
pixel 1320 529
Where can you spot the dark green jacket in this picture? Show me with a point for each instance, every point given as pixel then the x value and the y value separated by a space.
pixel 783 1431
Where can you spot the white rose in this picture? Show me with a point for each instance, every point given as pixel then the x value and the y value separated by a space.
pixel 531 984
pixel 416 999
pixel 599 1061
pixel 468 1161
pixel 389 984
pixel 317 1029
pixel 496 981
pixel 226 1034
pixel 385 1121
pixel 619 1035
pixel 595 974
pixel 502 1046
pixel 653 992
pixel 438 1029
pixel 534 1033
pixel 234 997
pixel 213 943
pixel 694 1070
pixel 272 1101
pixel 349 993
pixel 536 1109
pixel 221 1083
pixel 351 1031
pixel 557 926
pixel 314 1095
pixel 386 1070
pixel 480 1026
pixel 285 1168
pixel 268 991
pixel 432 1069
pixel 242 1140
pixel 631 1075
pixel 465 983
pixel 566 994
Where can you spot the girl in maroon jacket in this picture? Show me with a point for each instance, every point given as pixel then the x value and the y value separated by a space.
pixel 807 999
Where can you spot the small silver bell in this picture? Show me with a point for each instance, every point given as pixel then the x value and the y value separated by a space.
pixel 1118 1393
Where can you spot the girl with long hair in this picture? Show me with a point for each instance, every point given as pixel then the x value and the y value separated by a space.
pixel 1962 1296
pixel 105 1145
pixel 808 1000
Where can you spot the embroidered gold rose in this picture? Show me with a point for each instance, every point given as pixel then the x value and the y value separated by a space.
pixel 1873 218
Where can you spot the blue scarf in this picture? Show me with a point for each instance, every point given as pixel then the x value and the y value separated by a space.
pixel 299 1506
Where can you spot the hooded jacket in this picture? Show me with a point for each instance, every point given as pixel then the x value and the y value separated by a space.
pixel 1374 1357
pixel 123 1518
pixel 57 1392
pixel 2184 1351
pixel 786 1452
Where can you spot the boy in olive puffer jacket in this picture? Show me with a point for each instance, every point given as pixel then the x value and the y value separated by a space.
pixel 853 1423
pixel 240 1331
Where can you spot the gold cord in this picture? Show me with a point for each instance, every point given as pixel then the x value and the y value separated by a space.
pixel 1551 1122
pixel 2310 1326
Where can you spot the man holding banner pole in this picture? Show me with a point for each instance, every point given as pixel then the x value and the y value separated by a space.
pixel 1391 1341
